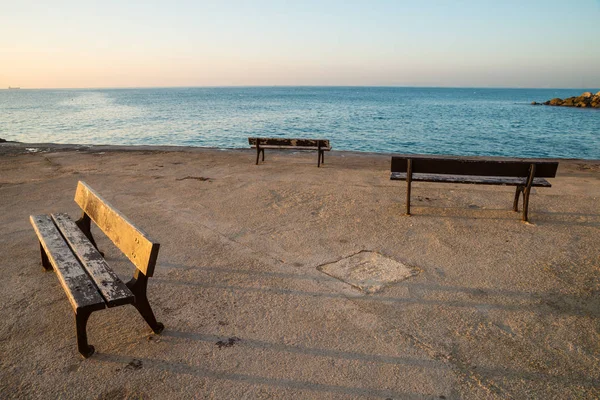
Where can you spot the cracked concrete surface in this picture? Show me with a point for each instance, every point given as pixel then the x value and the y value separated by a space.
pixel 500 309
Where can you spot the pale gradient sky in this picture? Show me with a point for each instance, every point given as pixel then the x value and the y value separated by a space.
pixel 475 43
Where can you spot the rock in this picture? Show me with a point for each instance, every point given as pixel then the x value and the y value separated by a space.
pixel 535 103
pixel 586 100
pixel 555 102
pixel 570 102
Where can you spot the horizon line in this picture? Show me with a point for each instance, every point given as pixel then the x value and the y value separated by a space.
pixel 291 86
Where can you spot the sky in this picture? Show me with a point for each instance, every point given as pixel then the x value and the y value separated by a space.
pixel 453 43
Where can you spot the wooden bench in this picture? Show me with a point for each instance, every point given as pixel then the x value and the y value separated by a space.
pixel 69 248
pixel 524 174
pixel 320 145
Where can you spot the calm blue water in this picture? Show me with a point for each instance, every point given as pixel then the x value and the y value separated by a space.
pixel 497 122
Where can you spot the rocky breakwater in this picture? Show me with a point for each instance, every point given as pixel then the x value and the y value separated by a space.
pixel 586 100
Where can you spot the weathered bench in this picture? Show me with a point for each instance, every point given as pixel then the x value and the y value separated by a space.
pixel 320 145
pixel 69 248
pixel 524 174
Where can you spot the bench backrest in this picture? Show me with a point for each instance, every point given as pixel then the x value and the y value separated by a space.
pixel 289 142
pixel 132 241
pixel 477 167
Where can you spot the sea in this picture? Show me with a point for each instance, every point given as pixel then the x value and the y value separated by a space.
pixel 450 121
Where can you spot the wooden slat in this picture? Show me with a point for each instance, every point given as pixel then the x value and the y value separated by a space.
pixel 471 166
pixel 114 291
pixel 289 142
pixel 487 180
pixel 293 148
pixel 80 289
pixel 132 241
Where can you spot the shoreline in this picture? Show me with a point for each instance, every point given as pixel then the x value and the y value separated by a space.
pixel 14 147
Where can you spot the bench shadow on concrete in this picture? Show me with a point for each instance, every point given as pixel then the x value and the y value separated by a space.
pixel 479 296
pixel 373 358
pixel 537 302
pixel 328 353
pixel 541 303
pixel 187 369
pixel 537 217
pixel 193 370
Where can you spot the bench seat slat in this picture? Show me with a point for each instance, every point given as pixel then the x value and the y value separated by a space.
pixel 298 142
pixel 488 180
pixel 293 147
pixel 112 288
pixel 80 289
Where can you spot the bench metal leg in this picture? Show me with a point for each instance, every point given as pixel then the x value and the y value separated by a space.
pixel 81 319
pixel 138 286
pixel 526 204
pixel 517 195
pixel 143 306
pixel 85 224
pixel 527 192
pixel 408 185
pixel 322 157
pixel 258 151
pixel 45 262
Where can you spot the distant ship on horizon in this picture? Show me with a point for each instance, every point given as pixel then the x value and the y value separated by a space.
pixel 13 88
